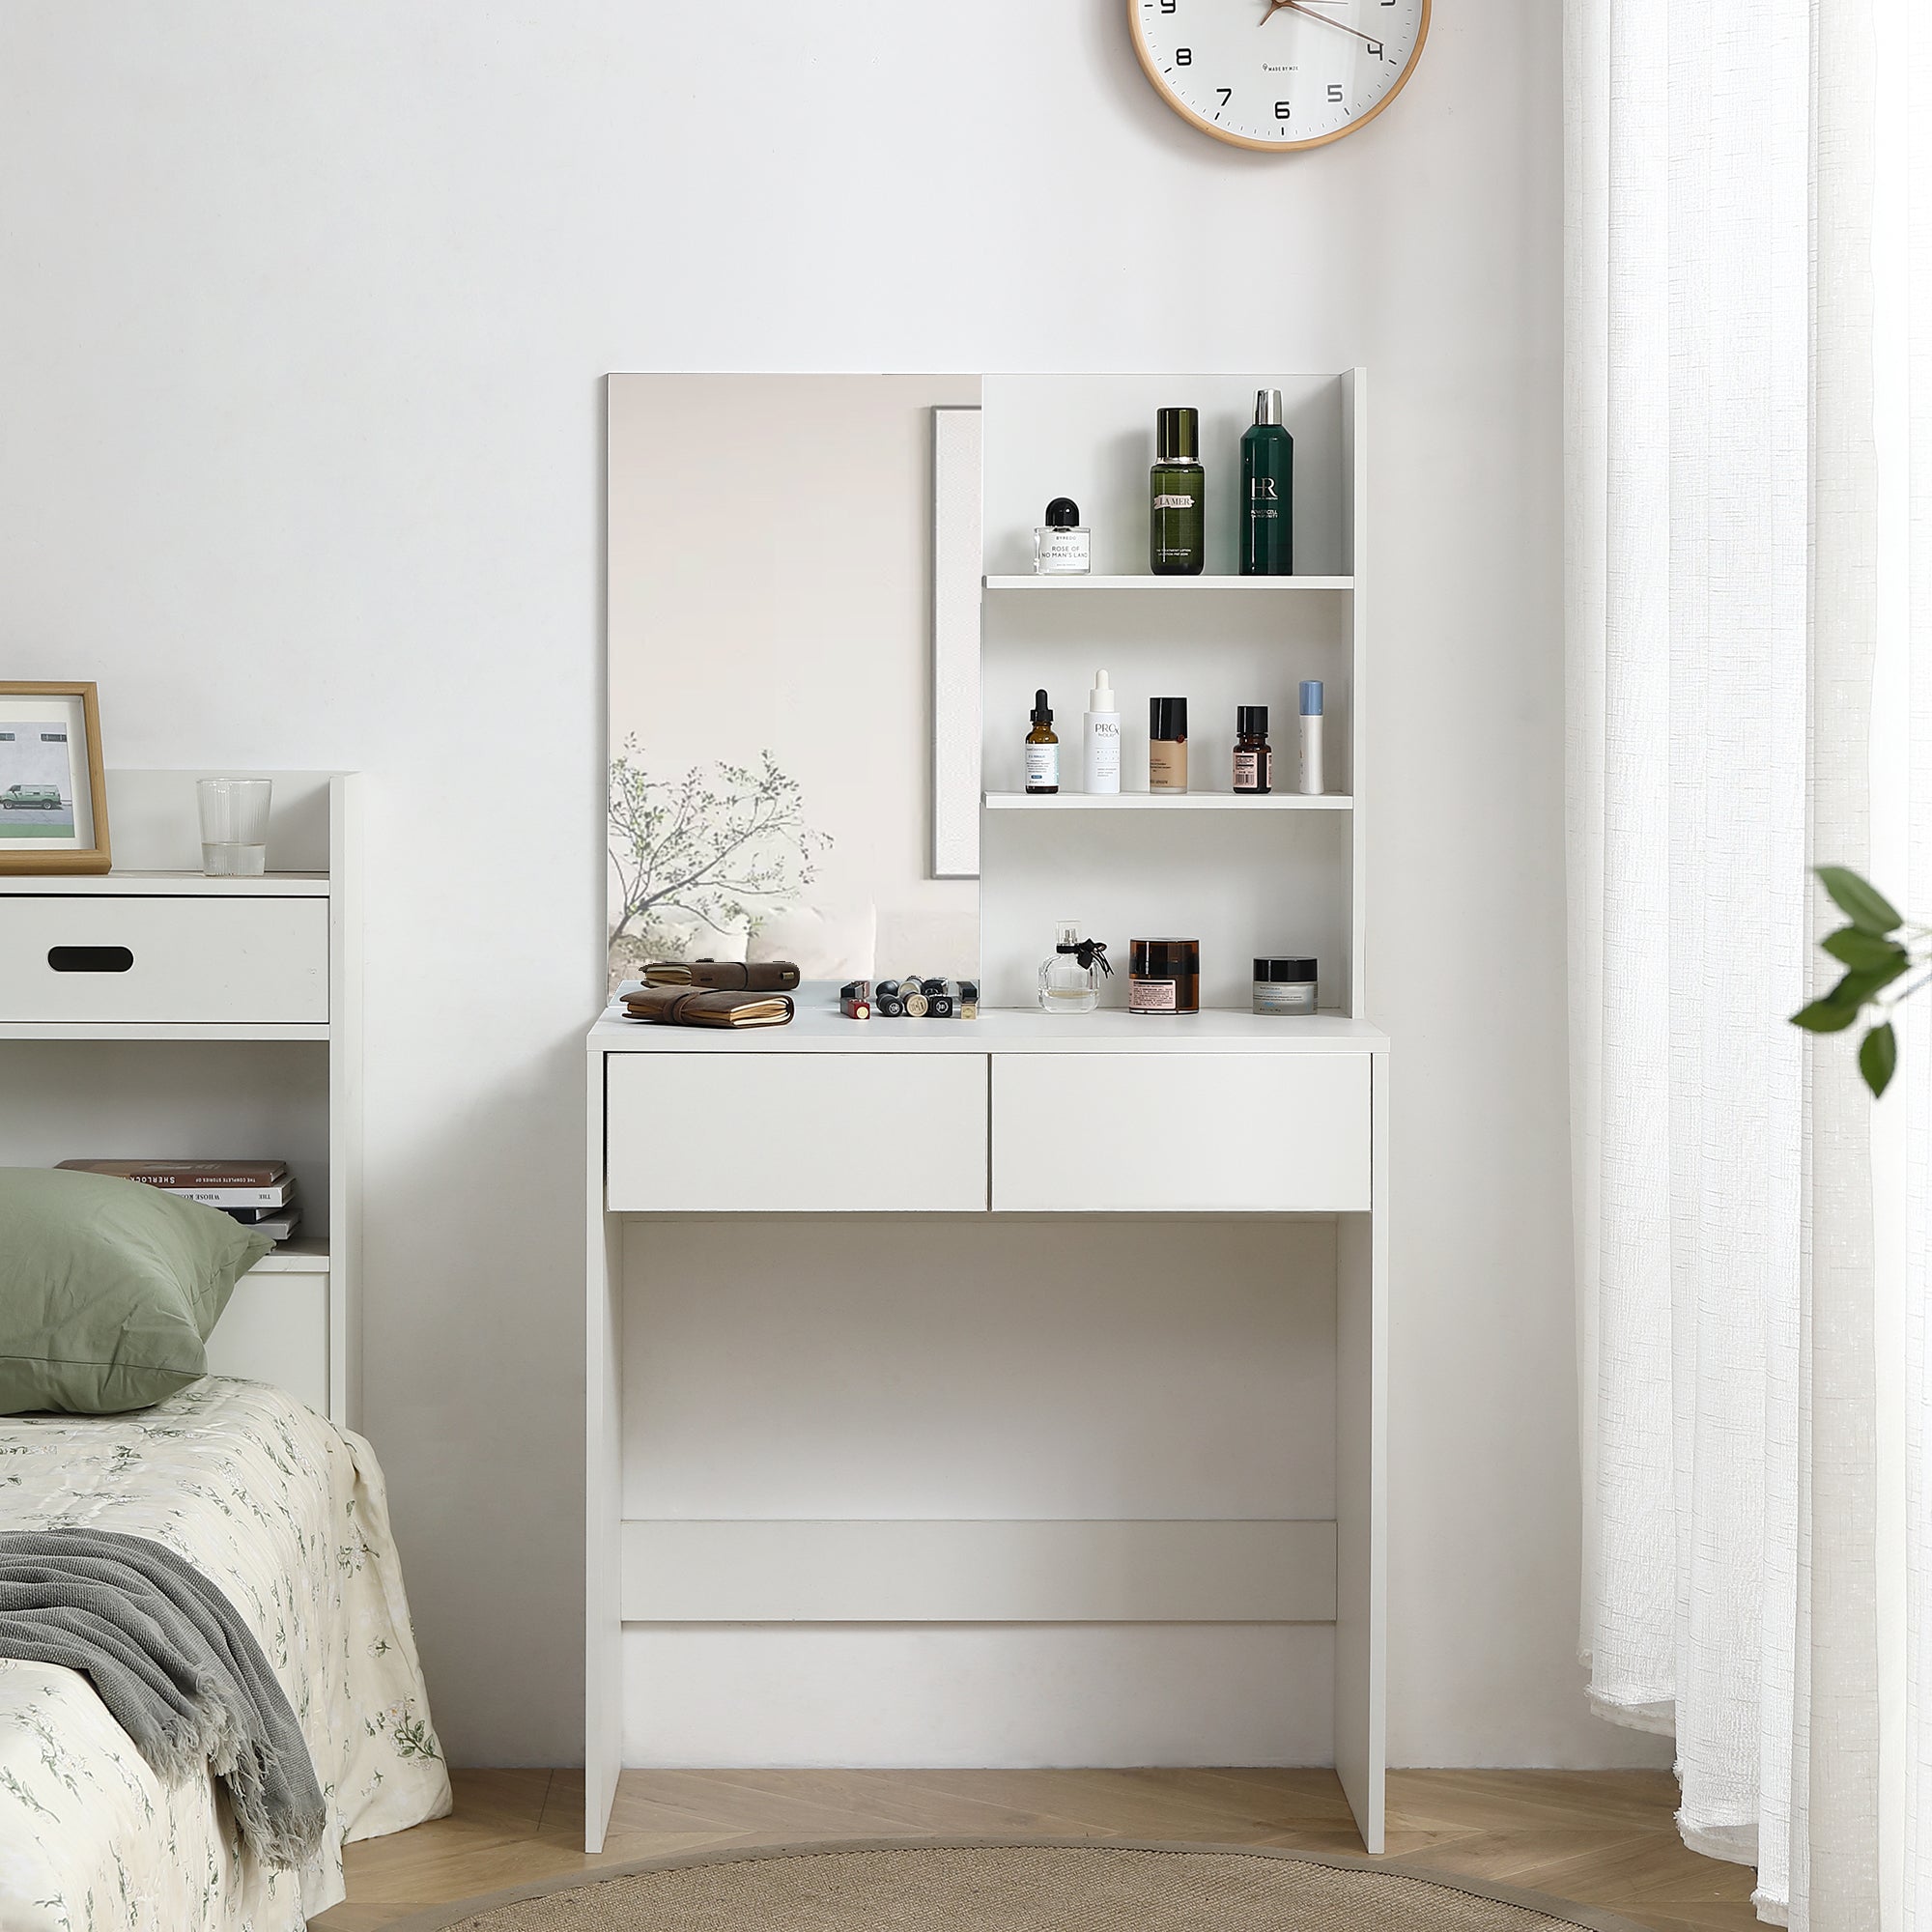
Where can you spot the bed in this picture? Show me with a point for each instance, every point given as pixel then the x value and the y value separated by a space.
pixel 286 1512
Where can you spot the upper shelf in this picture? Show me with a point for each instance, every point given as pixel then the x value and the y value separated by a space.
pixel 1168 801
pixel 1150 581
pixel 169 885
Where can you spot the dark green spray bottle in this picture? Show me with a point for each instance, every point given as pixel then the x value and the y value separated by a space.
pixel 1268 492
pixel 1177 487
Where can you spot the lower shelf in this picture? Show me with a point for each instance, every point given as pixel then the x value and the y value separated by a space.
pixel 276 1328
pixel 1012 1571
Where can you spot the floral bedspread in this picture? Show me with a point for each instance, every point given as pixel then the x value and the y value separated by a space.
pixel 286 1512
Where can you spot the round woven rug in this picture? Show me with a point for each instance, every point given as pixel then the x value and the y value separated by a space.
pixel 977 1886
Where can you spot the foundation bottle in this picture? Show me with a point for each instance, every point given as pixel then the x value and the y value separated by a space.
pixel 1167 744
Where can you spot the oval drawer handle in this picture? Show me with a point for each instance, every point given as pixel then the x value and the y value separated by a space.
pixel 90 958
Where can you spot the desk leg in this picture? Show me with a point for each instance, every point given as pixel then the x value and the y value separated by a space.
pixel 603 1489
pixel 1361 1485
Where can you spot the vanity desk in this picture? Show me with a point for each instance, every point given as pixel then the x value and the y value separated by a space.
pixel 1222 1113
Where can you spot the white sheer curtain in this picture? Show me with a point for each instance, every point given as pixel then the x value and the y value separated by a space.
pixel 1749 637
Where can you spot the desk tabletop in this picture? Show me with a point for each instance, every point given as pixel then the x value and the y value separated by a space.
pixel 818 1027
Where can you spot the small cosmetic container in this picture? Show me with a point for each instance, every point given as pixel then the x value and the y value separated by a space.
pixel 1285 987
pixel 1254 763
pixel 1164 976
pixel 855 999
pixel 1063 546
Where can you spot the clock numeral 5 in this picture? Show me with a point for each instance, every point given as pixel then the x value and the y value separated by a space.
pixel 1335 86
pixel 1184 56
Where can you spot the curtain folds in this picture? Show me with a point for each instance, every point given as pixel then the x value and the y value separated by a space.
pixel 1749 560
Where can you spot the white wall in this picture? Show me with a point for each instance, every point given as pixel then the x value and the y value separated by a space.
pixel 301 327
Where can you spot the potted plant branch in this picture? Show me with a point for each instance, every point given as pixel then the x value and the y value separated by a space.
pixel 1878 949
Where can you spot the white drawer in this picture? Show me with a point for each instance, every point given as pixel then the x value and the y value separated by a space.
pixel 795 1132
pixel 1177 1132
pixel 275 1329
pixel 182 958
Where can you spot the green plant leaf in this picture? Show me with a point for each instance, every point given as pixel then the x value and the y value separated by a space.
pixel 1825 1016
pixel 1863 952
pixel 1865 906
pixel 1856 987
pixel 1878 1057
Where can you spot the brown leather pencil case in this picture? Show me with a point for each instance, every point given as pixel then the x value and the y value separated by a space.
pixel 685 1006
pixel 724 975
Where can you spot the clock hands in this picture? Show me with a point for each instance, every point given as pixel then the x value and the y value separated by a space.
pixel 1303 7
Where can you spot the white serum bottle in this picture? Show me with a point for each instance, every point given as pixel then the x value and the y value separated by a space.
pixel 1100 740
pixel 1311 736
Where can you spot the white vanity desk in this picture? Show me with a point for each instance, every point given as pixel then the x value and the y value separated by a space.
pixel 1223 1113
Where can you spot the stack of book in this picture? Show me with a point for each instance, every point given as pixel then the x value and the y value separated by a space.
pixel 262 1193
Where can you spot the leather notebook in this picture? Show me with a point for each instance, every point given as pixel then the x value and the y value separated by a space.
pixel 724 975
pixel 685 1006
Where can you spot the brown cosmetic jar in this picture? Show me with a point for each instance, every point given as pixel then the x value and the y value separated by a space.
pixel 1164 976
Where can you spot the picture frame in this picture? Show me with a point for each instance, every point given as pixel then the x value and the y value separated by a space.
pixel 53 788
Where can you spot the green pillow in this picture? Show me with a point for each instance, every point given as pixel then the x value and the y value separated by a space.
pixel 108 1290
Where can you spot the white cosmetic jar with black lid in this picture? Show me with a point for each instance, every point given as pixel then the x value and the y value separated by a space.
pixel 1284 987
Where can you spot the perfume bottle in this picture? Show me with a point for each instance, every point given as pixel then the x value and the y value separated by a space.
pixel 1063 546
pixel 1069 980
pixel 1268 492
pixel 1176 496
pixel 1042 749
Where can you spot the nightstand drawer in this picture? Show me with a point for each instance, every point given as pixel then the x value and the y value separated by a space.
pixel 747 1133
pixel 184 958
pixel 1181 1132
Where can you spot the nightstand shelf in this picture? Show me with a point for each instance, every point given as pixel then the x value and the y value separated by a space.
pixel 152 1012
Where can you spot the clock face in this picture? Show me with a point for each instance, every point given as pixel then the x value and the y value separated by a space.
pixel 1278 74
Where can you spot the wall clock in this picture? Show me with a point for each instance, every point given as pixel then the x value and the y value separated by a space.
pixel 1278 75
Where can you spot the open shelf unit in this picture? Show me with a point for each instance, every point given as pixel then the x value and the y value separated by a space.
pixel 1292 880
pixel 234 1031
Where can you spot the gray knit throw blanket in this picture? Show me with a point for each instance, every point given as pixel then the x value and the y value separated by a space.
pixel 178 1670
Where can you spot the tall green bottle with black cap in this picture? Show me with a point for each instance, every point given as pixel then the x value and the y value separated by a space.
pixel 1176 496
pixel 1268 492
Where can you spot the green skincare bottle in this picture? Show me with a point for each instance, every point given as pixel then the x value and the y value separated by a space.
pixel 1268 492
pixel 1174 497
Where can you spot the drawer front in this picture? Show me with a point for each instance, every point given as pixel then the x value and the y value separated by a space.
pixel 1175 1133
pixel 789 1133
pixel 275 1329
pixel 66 956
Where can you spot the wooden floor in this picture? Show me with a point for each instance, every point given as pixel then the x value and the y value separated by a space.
pixel 1603 1838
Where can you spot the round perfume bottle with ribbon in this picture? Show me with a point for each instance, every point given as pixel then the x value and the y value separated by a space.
pixel 1069 980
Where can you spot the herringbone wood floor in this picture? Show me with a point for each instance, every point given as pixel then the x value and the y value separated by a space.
pixel 1603 1838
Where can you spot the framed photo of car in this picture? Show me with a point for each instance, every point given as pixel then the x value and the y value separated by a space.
pixel 53 796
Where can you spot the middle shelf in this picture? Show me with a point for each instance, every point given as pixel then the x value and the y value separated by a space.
pixel 1172 801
